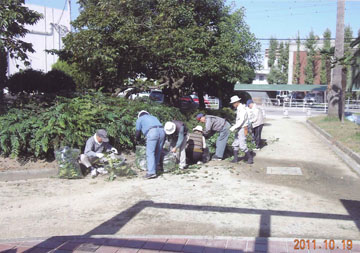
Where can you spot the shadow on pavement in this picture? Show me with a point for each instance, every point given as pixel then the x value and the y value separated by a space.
pixel 112 226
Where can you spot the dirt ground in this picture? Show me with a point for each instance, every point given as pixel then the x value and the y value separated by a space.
pixel 219 199
pixel 12 164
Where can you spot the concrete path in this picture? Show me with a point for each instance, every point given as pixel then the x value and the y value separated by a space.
pixel 219 199
pixel 176 244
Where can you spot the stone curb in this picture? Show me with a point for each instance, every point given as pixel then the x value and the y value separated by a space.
pixel 347 155
pixel 13 175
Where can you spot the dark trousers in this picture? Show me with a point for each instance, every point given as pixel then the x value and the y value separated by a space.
pixel 194 157
pixel 257 135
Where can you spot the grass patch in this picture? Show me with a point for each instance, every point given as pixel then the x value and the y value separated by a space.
pixel 347 133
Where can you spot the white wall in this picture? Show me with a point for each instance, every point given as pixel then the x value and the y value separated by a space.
pixel 44 35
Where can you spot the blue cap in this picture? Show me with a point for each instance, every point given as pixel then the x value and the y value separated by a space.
pixel 249 102
pixel 199 116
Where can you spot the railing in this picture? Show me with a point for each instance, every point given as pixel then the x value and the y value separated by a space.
pixel 213 104
pixel 300 103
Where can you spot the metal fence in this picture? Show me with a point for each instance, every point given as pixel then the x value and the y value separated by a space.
pixel 213 104
pixel 350 105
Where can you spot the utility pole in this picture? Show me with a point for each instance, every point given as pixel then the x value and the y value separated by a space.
pixel 69 9
pixel 335 95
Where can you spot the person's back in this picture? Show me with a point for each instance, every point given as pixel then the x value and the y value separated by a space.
pixel 195 142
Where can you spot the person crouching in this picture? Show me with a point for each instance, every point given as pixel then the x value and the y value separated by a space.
pixel 93 153
pixel 196 146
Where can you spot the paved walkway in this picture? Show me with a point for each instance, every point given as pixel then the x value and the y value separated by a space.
pixel 194 245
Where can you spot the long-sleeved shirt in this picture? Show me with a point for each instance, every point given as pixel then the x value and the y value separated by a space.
pixel 256 116
pixel 213 123
pixel 93 146
pixel 241 117
pixel 181 137
pixel 144 123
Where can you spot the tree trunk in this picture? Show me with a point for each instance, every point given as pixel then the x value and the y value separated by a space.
pixel 200 93
pixel 334 95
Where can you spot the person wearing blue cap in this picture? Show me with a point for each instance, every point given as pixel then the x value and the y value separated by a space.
pixel 153 130
pixel 216 124
pixel 256 118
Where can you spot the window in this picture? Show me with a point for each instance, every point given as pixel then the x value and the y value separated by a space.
pixel 261 78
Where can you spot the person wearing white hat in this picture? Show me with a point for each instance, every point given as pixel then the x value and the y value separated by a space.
pixel 177 131
pixel 240 125
pixel 196 145
pixel 154 133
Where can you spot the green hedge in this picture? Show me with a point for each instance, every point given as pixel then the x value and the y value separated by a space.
pixel 37 132
pixel 34 81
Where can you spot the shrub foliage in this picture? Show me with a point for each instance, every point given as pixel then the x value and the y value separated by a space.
pixel 36 133
pixel 34 81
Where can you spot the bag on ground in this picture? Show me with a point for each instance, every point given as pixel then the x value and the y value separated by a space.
pixel 67 159
pixel 140 157
pixel 116 165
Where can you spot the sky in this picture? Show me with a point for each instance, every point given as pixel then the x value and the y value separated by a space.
pixel 282 19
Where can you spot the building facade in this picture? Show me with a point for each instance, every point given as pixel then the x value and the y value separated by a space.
pixel 46 34
pixel 303 61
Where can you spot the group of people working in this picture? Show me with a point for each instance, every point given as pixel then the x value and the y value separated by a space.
pixel 188 147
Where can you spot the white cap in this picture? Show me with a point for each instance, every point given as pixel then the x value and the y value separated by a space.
pixel 234 99
pixel 141 113
pixel 198 128
pixel 170 127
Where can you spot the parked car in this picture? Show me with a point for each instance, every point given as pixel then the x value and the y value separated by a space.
pixel 283 97
pixel 140 95
pixel 157 96
pixel 196 99
pixel 312 98
pixel 187 103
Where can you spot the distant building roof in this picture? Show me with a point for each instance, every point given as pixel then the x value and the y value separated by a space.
pixel 278 87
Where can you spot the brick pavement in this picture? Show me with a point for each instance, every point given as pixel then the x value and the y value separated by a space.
pixel 66 244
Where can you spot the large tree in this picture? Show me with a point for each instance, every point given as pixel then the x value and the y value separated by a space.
pixel 325 72
pixel 13 18
pixel 272 51
pixel 310 70
pixel 180 43
pixel 297 72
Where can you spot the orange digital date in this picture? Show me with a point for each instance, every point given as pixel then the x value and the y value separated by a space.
pixel 301 244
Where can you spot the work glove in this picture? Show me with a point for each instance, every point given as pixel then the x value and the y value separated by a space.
pixel 114 150
pixel 232 129
pixel 99 155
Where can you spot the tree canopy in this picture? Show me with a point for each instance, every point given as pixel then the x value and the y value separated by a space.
pixel 13 18
pixel 177 42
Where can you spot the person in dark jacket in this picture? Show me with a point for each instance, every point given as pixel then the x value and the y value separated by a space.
pixel 154 133
pixel 177 131
pixel 196 146
pixel 216 124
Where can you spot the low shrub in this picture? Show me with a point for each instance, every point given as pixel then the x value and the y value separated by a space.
pixel 58 81
pixel 34 82
pixel 28 81
pixel 37 133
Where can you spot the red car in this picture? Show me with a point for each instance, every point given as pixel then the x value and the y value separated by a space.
pixel 196 99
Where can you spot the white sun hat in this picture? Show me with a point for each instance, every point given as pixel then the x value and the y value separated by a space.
pixel 198 128
pixel 170 127
pixel 141 113
pixel 234 99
